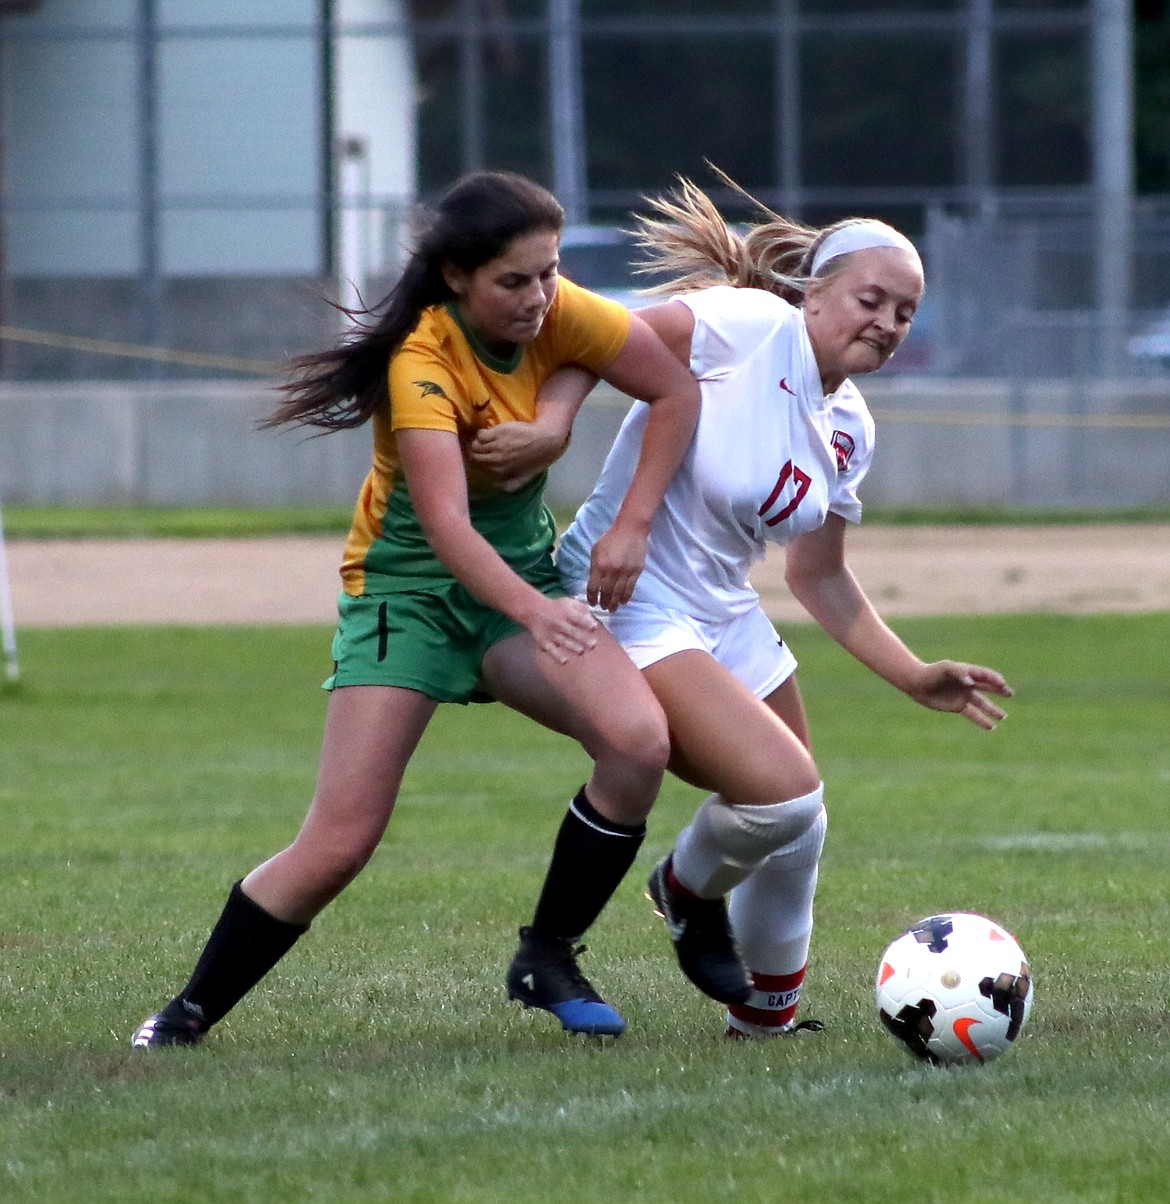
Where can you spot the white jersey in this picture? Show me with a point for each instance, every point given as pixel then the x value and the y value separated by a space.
pixel 771 457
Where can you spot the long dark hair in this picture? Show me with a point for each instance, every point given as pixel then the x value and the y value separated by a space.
pixel 474 222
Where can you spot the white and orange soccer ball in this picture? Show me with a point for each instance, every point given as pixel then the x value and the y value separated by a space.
pixel 954 989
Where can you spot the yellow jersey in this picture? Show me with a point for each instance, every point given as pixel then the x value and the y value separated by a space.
pixel 442 379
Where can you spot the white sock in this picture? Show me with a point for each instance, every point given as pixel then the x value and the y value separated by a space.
pixel 725 841
pixel 772 917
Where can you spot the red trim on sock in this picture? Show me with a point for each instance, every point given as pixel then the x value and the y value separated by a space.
pixel 771 984
pixel 675 886
pixel 763 1017
pixel 778 982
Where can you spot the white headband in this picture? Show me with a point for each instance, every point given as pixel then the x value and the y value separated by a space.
pixel 860 235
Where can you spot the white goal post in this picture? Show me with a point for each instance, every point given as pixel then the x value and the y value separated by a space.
pixel 7 619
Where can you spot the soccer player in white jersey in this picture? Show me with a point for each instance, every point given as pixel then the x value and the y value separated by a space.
pixel 773 323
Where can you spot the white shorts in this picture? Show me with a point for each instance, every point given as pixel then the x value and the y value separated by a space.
pixel 747 646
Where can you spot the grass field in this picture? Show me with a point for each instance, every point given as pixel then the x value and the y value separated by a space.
pixel 142 770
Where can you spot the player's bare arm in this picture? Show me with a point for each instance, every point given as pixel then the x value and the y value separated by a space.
pixel 823 583
pixel 647 369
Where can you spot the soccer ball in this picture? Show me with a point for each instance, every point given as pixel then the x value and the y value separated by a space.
pixel 954 988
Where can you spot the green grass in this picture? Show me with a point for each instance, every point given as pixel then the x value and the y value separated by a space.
pixel 139 522
pixel 144 770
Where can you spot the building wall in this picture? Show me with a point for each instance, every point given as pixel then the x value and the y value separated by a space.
pixel 375 100
pixel 258 193
pixel 940 443
pixel 238 136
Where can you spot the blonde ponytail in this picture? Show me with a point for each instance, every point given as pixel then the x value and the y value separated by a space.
pixel 687 238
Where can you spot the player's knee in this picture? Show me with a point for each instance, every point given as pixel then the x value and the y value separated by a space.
pixel 338 869
pixel 643 741
pixel 763 775
pixel 334 862
pixel 805 850
pixel 746 835
pixel 803 778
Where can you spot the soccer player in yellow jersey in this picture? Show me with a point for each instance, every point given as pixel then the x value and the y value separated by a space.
pixel 450 593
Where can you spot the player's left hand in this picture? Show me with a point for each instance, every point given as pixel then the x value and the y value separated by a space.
pixel 615 565
pixel 514 452
pixel 962 689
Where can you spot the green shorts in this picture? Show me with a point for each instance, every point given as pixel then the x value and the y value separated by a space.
pixel 433 640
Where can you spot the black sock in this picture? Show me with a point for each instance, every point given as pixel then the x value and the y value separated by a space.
pixel 244 945
pixel 590 858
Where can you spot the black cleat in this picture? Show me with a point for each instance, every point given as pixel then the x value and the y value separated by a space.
pixel 544 974
pixel 702 940
pixel 174 1025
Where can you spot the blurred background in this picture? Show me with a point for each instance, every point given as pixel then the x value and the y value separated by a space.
pixel 184 184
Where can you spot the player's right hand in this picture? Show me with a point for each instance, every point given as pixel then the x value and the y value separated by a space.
pixel 564 628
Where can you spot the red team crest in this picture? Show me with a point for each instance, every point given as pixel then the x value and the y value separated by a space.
pixel 843 445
